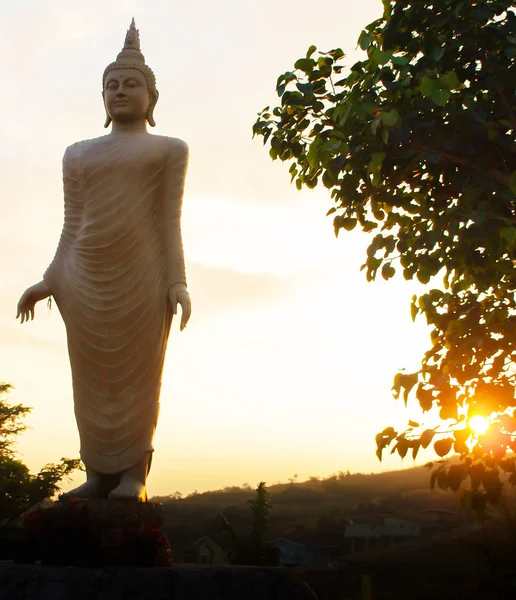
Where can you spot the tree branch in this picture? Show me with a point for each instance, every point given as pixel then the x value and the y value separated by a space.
pixel 508 107
pixel 496 174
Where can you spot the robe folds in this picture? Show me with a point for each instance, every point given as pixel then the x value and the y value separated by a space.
pixel 119 253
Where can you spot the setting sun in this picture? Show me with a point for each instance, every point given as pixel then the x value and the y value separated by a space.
pixel 478 424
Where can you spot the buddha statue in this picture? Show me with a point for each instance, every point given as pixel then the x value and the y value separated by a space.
pixel 118 277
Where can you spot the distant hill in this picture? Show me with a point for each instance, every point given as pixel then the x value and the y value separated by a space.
pixel 314 512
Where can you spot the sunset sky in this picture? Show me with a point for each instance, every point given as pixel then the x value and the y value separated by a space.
pixel 286 365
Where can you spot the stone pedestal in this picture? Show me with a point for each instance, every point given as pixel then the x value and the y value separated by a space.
pixel 91 533
pixel 182 582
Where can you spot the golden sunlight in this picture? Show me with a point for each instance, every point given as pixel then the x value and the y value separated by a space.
pixel 478 424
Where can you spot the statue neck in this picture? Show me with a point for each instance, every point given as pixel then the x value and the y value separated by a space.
pixel 128 128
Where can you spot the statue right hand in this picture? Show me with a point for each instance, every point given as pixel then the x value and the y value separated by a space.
pixel 28 300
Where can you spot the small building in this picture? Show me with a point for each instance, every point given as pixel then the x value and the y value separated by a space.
pixel 364 534
pixel 205 551
pixel 292 554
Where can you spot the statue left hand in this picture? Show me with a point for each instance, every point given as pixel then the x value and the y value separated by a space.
pixel 178 294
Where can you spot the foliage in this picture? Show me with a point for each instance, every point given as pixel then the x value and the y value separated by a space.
pixel 252 550
pixel 10 422
pixel 417 143
pixel 62 534
pixel 19 489
pixel 67 533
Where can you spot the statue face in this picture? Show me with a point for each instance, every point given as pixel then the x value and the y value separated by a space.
pixel 126 95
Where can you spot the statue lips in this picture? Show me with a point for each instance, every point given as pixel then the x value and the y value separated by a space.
pixel 121 107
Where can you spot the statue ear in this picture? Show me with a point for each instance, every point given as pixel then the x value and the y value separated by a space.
pixel 150 112
pixel 108 118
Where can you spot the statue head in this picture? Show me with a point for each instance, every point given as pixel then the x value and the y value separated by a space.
pixel 131 59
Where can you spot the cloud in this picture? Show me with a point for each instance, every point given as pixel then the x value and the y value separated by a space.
pixel 284 238
pixel 221 290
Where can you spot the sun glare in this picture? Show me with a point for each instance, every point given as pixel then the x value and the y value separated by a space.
pixel 478 424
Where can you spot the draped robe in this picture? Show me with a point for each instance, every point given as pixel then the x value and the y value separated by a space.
pixel 119 253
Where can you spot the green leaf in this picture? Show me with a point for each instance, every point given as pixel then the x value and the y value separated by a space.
pixel 336 53
pixel 442 480
pixel 377 159
pixel 413 311
pixel 443 447
pixel 401 61
pixel 437 53
pixel 310 51
pixel 368 226
pixel 348 223
pixel 426 438
pixel 305 64
pixel 449 81
pixel 425 398
pixel 415 449
pixel 390 117
pixel 423 275
pixel 512 182
pixel 388 271
pixel 365 39
pixel 311 156
pixel 402 447
pixel 441 97
pixel 509 235
pixel 380 57
pixel 408 382
pixel 428 86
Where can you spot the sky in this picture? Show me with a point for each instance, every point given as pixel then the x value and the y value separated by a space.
pixel 287 363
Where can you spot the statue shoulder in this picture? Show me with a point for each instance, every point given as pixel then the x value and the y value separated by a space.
pixel 176 149
pixel 78 148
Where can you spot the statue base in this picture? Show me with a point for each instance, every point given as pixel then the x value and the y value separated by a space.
pixel 93 533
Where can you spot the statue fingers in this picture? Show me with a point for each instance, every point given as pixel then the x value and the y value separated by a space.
pixel 186 306
pixel 32 314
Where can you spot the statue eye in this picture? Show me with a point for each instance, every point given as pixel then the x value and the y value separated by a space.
pixel 112 85
pixel 132 83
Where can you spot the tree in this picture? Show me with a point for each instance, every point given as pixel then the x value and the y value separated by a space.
pixel 19 489
pixel 252 549
pixel 417 145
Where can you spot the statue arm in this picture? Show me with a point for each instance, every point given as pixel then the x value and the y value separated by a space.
pixel 175 174
pixel 50 282
pixel 72 217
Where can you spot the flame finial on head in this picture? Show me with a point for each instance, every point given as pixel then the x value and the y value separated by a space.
pixel 132 38
pixel 130 57
pixel 131 49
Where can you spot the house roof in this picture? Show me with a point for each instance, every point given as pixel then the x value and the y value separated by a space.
pixel 280 540
pixel 205 540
